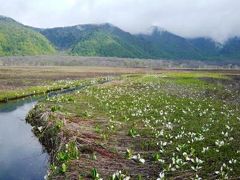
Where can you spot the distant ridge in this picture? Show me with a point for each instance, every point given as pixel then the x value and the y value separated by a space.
pixel 107 40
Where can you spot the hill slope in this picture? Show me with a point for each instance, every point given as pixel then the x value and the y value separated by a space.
pixel 94 40
pixel 16 39
pixel 208 48
pixel 108 40
pixel 163 44
pixel 231 49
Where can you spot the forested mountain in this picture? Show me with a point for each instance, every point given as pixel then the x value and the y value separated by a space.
pixel 95 40
pixel 207 47
pixel 110 41
pixel 16 39
pixel 163 44
pixel 231 49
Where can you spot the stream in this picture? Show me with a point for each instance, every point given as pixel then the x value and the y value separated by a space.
pixel 21 154
pixel 22 157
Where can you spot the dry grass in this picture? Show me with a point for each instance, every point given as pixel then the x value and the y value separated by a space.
pixel 12 77
pixel 25 76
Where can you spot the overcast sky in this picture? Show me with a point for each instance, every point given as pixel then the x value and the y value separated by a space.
pixel 219 19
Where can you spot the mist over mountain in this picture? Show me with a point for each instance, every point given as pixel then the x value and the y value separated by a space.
pixel 110 41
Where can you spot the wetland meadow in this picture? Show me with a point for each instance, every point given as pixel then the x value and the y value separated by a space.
pixel 129 123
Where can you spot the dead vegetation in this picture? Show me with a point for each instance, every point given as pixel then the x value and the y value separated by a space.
pixel 22 77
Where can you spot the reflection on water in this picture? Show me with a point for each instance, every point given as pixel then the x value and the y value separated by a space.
pixel 21 154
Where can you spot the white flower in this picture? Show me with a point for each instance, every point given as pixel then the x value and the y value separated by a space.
pixel 40 128
pixel 142 160
pixel 138 157
pixel 219 143
pixel 120 175
pixel 161 176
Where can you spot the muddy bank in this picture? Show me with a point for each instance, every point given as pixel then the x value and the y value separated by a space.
pixel 56 131
pixel 80 143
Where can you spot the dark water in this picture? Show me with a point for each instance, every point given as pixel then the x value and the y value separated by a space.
pixel 21 154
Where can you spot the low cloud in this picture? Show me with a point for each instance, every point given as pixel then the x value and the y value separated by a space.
pixel 218 19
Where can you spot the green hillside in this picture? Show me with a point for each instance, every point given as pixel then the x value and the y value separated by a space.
pixel 231 49
pixel 110 41
pixel 208 48
pixel 162 44
pixel 95 40
pixel 16 39
pixel 105 44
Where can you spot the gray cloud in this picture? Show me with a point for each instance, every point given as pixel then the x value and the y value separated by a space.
pixel 219 19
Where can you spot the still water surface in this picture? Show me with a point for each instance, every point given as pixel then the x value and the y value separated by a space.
pixel 22 157
pixel 21 154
